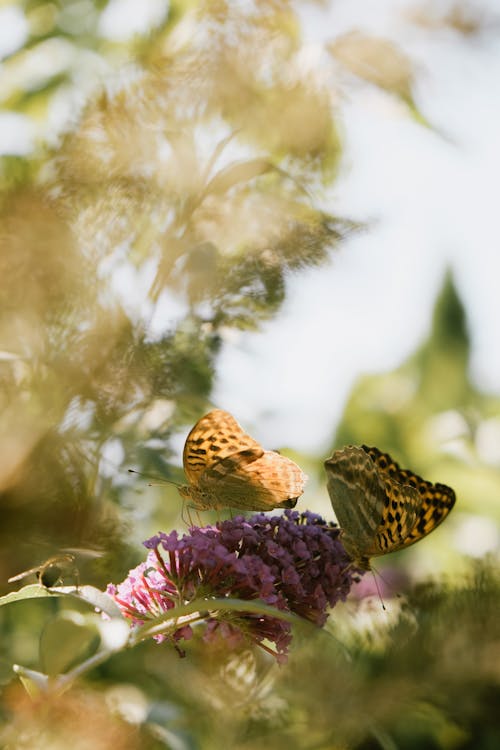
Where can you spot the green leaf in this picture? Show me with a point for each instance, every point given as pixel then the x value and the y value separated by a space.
pixel 95 597
pixel 65 642
pixel 33 591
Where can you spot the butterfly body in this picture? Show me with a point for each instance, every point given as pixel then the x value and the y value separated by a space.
pixel 380 507
pixel 225 467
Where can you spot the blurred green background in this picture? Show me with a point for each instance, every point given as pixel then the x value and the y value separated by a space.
pixel 169 183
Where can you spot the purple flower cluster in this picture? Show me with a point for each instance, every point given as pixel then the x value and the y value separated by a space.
pixel 294 562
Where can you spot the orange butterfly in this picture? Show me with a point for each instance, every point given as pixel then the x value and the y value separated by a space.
pixel 226 468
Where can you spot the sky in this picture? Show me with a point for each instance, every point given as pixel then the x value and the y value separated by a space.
pixel 431 203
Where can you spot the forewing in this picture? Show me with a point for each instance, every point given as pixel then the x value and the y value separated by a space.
pixel 215 437
pixel 250 480
pixel 422 505
pixel 436 502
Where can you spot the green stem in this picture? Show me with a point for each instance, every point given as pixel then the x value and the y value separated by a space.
pixel 179 616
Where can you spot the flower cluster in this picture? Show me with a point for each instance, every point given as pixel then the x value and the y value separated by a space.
pixel 294 562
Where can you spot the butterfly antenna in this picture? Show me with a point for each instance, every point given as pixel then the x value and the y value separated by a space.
pixel 389 585
pixel 375 573
pixel 159 481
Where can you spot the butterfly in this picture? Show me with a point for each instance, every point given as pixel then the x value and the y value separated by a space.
pixel 225 467
pixel 380 507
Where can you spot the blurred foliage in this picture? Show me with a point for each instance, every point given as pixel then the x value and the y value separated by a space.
pixel 459 15
pixel 377 61
pixel 171 211
pixel 165 207
pixel 423 674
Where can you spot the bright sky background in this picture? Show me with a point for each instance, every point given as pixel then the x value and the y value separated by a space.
pixel 433 202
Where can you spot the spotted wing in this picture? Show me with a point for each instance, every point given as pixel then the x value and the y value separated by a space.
pixel 215 437
pixel 248 481
pixel 374 511
pixel 435 501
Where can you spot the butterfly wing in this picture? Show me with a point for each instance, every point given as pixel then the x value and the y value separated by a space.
pixel 381 507
pixel 435 501
pixel 225 467
pixel 253 480
pixel 374 511
pixel 215 437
